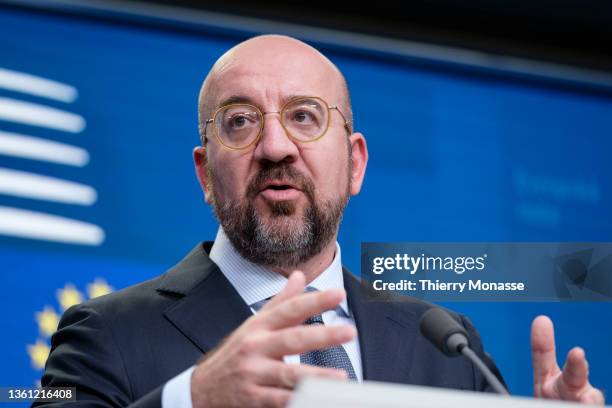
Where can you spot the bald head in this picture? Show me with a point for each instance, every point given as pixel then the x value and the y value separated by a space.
pixel 253 150
pixel 278 60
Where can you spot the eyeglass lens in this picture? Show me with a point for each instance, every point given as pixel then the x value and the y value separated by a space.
pixel 238 125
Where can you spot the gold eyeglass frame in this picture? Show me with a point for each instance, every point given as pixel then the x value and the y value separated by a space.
pixel 261 114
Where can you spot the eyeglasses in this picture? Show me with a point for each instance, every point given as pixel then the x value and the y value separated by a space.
pixel 238 126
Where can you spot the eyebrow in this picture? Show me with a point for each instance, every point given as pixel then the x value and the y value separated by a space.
pixel 235 99
pixel 245 99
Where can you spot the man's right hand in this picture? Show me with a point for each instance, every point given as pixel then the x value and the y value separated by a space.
pixel 248 369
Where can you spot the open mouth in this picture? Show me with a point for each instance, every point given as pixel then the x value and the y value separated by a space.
pixel 280 188
pixel 278 185
pixel 279 191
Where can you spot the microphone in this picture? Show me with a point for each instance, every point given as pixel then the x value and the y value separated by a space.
pixel 451 339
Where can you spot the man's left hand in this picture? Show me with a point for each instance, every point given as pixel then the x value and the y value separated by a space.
pixel 549 381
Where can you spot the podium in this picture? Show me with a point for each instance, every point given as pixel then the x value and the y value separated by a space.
pixel 319 393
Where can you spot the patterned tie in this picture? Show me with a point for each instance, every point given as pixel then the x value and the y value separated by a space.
pixel 333 357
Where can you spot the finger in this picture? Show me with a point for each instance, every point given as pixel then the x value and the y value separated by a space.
pixel 269 397
pixel 296 310
pixel 300 339
pixel 543 349
pixel 295 286
pixel 576 371
pixel 282 375
pixel 592 397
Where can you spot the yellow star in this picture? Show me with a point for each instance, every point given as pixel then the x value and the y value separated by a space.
pixel 69 296
pixel 39 353
pixel 98 287
pixel 47 321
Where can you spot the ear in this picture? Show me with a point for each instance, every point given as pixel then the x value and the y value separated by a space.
pixel 200 161
pixel 359 152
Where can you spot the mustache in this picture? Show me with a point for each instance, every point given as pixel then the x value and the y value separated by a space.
pixel 280 171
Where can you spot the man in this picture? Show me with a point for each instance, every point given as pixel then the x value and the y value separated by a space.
pixel 278 162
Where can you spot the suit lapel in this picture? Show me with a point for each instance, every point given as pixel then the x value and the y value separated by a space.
pixel 386 334
pixel 208 308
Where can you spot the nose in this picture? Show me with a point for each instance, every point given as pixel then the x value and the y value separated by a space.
pixel 275 145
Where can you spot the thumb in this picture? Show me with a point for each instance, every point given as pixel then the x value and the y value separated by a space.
pixel 576 371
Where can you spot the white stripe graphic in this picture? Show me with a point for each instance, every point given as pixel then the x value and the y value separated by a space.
pixel 39 187
pixel 35 225
pixel 35 148
pixel 35 85
pixel 40 115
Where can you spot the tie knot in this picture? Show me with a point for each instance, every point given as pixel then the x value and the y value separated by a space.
pixel 316 319
pixel 313 320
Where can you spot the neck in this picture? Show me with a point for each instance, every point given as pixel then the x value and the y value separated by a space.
pixel 314 266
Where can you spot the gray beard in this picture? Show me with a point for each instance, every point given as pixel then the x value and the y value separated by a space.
pixel 285 240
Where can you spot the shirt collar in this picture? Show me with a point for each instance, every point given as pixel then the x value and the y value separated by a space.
pixel 255 283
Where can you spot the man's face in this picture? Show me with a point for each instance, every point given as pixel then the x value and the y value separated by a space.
pixel 279 201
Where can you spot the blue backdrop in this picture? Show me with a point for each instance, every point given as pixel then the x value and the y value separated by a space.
pixel 454 156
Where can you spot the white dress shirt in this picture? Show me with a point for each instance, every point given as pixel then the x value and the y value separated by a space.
pixel 255 283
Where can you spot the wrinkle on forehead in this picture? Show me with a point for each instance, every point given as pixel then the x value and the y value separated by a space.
pixel 268 54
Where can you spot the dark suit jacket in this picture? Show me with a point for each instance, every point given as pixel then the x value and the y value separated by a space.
pixel 120 349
